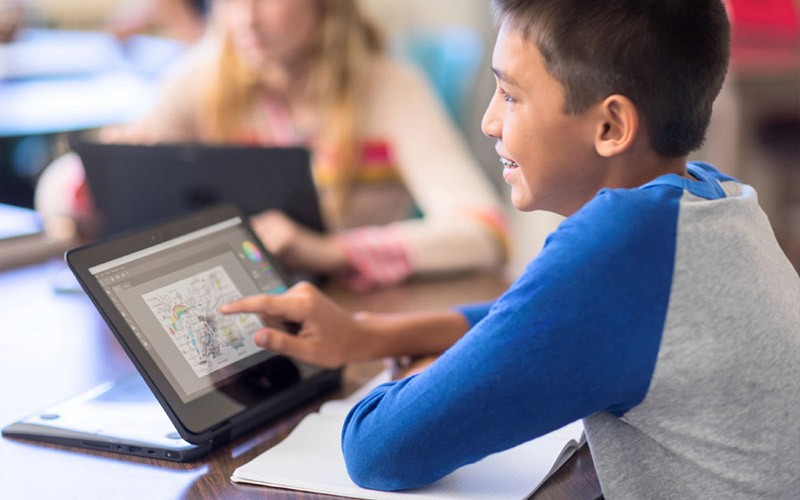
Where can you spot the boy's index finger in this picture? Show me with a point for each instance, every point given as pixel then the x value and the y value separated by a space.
pixel 284 306
pixel 251 304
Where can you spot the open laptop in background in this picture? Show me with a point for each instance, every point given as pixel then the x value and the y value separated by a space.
pixel 135 185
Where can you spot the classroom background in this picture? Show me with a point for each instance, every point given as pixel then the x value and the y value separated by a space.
pixel 60 72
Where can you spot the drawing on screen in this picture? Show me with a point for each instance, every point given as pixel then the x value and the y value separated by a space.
pixel 189 312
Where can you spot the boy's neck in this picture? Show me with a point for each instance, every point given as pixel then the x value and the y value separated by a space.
pixel 636 170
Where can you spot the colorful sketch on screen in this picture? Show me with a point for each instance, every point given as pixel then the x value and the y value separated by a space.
pixel 188 310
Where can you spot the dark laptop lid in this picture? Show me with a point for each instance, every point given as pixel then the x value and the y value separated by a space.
pixel 159 290
pixel 135 185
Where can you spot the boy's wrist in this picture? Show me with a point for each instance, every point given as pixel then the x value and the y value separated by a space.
pixel 382 335
pixel 370 341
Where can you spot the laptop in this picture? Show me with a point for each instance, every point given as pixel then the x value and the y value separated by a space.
pixel 159 290
pixel 133 185
pixel 120 416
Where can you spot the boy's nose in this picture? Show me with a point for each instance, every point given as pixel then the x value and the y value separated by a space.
pixel 490 124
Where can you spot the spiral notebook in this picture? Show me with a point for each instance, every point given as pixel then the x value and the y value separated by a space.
pixel 310 459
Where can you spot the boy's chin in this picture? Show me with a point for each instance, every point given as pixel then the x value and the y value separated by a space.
pixel 522 203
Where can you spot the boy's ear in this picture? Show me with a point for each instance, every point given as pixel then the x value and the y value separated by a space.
pixel 619 126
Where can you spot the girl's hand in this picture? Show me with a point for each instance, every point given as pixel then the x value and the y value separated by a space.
pixel 297 246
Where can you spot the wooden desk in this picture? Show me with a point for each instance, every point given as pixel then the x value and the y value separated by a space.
pixel 55 346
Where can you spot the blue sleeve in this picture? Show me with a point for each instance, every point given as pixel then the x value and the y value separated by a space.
pixel 578 333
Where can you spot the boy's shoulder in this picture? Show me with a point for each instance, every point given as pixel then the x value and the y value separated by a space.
pixel 659 197
pixel 614 212
pixel 635 223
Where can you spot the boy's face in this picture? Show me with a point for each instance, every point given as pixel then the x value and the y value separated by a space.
pixel 549 158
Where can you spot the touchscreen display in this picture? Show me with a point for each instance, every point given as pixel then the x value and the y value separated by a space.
pixel 170 293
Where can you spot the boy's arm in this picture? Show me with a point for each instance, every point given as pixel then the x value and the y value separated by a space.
pixel 330 336
pixel 577 334
pixel 409 334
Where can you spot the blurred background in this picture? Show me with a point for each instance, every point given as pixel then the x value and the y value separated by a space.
pixel 76 65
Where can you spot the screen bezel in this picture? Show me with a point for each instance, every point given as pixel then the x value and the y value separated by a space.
pixel 210 415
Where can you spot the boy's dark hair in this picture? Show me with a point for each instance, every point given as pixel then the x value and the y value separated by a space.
pixel 668 56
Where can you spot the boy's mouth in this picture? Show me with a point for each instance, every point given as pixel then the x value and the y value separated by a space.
pixel 506 163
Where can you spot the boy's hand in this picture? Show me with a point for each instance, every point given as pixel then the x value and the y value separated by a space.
pixel 329 336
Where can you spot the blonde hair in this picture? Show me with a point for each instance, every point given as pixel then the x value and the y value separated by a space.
pixel 338 59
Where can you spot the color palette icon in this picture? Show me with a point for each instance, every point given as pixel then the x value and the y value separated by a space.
pixel 251 251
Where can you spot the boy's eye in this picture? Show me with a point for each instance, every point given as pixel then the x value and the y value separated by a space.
pixel 505 95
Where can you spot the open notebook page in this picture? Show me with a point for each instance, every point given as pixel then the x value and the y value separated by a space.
pixel 310 459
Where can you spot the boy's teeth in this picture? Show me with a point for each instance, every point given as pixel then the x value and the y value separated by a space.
pixel 507 163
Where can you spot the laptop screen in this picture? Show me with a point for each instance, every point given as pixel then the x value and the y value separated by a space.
pixel 160 288
pixel 169 295
pixel 135 185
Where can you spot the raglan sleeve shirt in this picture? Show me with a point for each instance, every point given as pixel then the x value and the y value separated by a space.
pixel 578 333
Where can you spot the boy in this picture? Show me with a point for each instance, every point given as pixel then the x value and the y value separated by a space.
pixel 661 311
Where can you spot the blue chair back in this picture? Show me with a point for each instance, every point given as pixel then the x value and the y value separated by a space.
pixel 450 57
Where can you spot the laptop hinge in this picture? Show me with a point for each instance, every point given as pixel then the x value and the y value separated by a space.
pixel 222 433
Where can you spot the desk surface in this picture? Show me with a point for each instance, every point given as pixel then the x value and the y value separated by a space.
pixel 53 346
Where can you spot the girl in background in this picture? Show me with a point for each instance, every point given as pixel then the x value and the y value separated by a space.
pixel 400 192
